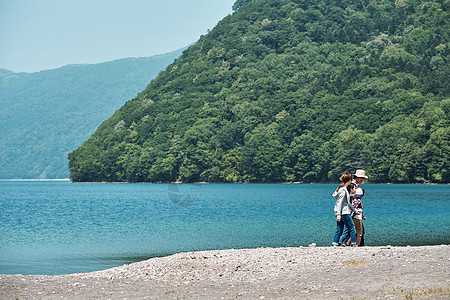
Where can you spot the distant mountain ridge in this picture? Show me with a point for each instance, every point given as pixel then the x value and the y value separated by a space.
pixel 5 71
pixel 47 114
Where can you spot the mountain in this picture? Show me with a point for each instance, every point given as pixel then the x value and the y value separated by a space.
pixel 47 114
pixel 291 90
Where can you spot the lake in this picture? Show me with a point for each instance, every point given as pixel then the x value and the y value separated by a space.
pixel 62 227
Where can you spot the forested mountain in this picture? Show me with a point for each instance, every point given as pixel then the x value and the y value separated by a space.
pixel 47 114
pixel 291 90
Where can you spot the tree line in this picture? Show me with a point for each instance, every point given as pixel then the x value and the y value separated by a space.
pixel 291 90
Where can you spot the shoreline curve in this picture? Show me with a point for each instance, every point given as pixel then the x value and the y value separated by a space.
pixel 264 273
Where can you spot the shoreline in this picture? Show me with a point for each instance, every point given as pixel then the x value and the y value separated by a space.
pixel 36 180
pixel 224 183
pixel 205 182
pixel 262 273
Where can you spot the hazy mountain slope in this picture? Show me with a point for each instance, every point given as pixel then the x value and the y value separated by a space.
pixel 47 114
pixel 291 90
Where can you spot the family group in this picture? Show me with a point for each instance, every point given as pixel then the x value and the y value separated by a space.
pixel 348 210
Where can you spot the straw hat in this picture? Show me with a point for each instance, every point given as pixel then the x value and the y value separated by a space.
pixel 360 173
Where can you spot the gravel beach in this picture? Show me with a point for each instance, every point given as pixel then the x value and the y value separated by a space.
pixel 264 273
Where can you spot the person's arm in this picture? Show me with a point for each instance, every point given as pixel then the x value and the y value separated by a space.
pixel 339 202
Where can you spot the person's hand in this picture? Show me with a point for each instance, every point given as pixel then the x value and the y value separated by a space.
pixel 363 217
pixel 338 219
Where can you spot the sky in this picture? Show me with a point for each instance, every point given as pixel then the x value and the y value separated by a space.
pixel 38 35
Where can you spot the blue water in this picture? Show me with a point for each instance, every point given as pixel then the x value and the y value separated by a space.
pixel 62 227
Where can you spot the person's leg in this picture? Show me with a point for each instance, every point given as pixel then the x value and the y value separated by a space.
pixel 362 238
pixel 337 235
pixel 344 237
pixel 358 228
pixel 347 219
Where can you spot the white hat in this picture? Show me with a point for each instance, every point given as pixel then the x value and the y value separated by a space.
pixel 360 173
pixel 359 192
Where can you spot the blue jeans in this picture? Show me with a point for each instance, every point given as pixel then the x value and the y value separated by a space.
pixel 347 222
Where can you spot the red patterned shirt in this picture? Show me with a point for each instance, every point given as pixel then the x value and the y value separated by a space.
pixel 356 202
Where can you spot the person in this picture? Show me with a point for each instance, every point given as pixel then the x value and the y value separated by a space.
pixel 357 219
pixel 358 178
pixel 343 208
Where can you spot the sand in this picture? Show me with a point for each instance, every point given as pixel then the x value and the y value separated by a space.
pixel 264 273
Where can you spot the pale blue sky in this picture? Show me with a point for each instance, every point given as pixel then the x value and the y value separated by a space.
pixel 46 34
